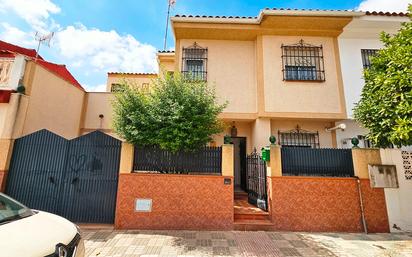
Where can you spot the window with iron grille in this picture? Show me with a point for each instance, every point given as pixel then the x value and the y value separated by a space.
pixel 303 62
pixel 194 62
pixel 366 57
pixel 298 138
pixel 145 86
pixel 116 87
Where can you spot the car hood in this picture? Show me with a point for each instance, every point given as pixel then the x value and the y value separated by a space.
pixel 36 235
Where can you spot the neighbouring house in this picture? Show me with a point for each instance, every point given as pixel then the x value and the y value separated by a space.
pixel 357 43
pixel 53 98
pixel 98 114
pixel 141 80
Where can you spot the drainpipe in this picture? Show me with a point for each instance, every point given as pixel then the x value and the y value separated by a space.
pixel 11 117
pixel 365 229
pixel 16 75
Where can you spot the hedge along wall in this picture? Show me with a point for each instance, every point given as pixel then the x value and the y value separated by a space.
pixel 178 201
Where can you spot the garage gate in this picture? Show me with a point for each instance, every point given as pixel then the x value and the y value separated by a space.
pixel 76 178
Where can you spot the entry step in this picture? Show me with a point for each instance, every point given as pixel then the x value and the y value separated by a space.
pixel 253 225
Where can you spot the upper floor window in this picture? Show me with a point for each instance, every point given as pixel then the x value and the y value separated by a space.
pixel 194 62
pixel 303 62
pixel 116 87
pixel 145 86
pixel 366 57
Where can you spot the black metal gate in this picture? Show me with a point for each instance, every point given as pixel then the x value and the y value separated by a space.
pixel 76 178
pixel 256 181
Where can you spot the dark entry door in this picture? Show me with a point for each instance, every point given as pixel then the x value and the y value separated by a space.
pixel 256 181
pixel 76 178
pixel 239 144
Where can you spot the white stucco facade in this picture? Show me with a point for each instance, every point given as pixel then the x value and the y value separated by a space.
pixel 398 200
pixel 361 33
pixel 353 129
pixel 12 73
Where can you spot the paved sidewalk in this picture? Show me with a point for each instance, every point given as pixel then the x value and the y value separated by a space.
pixel 103 243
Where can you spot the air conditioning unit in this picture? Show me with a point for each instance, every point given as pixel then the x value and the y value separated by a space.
pixel 383 176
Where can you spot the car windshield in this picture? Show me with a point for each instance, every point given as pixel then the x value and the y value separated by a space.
pixel 11 210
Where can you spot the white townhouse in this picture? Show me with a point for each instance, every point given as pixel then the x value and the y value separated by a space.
pixel 359 40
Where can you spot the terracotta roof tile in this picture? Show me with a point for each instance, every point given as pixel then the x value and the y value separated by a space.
pixel 401 14
pixel 58 69
pixel 6 54
pixel 132 73
pixel 17 49
pixel 166 51
pixel 214 17
pixel 291 9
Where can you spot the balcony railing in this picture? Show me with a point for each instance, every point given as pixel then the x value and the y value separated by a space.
pixel 5 69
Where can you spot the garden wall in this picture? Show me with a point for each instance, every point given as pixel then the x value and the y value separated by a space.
pixel 325 204
pixel 399 199
pixel 6 149
pixel 188 202
pixel 3 175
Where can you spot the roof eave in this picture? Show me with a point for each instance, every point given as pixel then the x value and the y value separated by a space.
pixel 263 13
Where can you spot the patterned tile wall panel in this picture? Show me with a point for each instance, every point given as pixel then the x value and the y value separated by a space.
pixel 3 175
pixel 325 204
pixel 179 202
pixel 407 164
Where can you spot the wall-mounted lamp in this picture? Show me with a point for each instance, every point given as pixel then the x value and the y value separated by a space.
pixel 233 130
pixel 101 116
pixel 341 126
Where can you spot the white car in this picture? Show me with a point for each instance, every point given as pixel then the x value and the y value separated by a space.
pixel 30 233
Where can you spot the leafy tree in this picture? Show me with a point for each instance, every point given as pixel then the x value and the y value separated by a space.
pixel 175 114
pixel 385 107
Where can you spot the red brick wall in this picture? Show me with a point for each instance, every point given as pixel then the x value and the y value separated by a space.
pixel 3 175
pixel 325 204
pixel 179 202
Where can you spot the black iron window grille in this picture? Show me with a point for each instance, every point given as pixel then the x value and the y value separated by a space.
pixel 299 138
pixel 303 62
pixel 145 86
pixel 366 57
pixel 194 63
pixel 116 87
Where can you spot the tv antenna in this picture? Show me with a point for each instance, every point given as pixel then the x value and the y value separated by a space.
pixel 42 39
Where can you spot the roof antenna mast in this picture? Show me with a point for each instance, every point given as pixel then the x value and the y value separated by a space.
pixel 42 39
pixel 171 4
